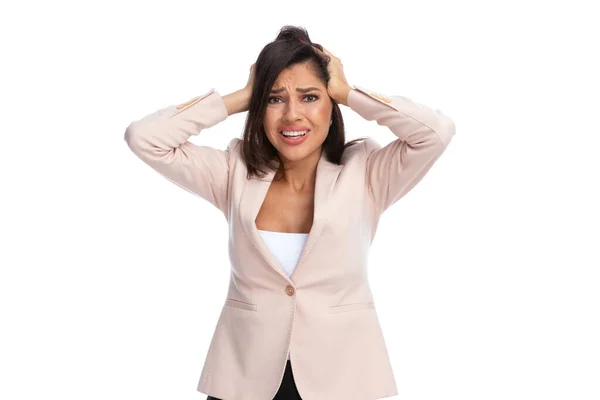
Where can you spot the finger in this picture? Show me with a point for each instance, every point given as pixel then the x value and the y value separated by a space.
pixel 324 50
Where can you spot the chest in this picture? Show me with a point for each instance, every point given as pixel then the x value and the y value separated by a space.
pixel 284 211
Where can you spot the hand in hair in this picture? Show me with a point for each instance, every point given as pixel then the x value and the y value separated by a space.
pixel 338 87
pixel 251 78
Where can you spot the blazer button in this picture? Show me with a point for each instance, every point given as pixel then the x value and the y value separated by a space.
pixel 289 289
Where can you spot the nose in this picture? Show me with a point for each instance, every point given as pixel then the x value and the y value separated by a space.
pixel 293 110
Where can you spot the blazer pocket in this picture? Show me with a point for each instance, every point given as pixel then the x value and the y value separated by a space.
pixel 240 304
pixel 351 307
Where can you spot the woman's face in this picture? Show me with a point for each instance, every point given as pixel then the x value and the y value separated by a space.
pixel 291 108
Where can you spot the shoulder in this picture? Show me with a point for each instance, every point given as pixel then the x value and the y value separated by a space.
pixel 234 144
pixel 371 145
pixel 360 150
pixel 234 148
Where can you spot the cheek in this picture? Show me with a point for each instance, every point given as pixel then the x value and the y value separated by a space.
pixel 324 115
pixel 269 122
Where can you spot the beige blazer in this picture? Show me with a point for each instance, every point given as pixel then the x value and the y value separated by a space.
pixel 324 314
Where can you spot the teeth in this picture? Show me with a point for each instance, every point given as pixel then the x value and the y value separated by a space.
pixel 299 133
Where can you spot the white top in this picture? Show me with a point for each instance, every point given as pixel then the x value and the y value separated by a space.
pixel 286 247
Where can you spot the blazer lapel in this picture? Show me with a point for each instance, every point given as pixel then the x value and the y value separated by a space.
pixel 254 194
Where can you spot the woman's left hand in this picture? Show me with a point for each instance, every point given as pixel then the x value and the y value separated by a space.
pixel 338 87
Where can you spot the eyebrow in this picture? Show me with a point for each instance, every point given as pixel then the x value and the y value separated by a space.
pixel 301 90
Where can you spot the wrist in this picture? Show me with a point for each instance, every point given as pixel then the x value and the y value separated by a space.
pixel 342 95
pixel 237 101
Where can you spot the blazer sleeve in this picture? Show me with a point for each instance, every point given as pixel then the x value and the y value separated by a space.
pixel 160 140
pixel 423 135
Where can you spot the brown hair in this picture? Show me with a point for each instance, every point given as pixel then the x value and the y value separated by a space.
pixel 292 46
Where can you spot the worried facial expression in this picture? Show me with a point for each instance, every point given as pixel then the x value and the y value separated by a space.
pixel 298 113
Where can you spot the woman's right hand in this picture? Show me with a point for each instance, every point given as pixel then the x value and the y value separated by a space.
pixel 251 77
pixel 239 101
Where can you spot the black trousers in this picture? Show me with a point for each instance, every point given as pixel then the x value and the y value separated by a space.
pixel 287 389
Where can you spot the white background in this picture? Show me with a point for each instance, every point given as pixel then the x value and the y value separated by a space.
pixel 485 276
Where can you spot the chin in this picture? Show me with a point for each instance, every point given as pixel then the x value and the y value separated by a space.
pixel 294 155
pixel 298 153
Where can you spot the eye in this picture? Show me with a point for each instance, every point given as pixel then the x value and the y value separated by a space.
pixel 308 95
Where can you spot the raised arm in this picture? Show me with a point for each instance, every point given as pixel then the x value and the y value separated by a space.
pixel 160 140
pixel 423 135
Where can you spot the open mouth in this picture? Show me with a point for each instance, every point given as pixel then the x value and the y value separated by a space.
pixel 293 135
pixel 294 138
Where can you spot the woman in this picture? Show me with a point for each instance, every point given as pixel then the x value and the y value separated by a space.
pixel 302 207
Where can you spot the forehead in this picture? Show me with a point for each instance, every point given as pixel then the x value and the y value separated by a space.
pixel 297 75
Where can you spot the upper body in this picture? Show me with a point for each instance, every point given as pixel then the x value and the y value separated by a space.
pixel 323 313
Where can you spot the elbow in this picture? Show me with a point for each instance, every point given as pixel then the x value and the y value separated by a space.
pixel 144 142
pixel 134 137
pixel 130 135
pixel 446 131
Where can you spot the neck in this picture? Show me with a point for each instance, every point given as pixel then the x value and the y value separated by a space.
pixel 300 175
